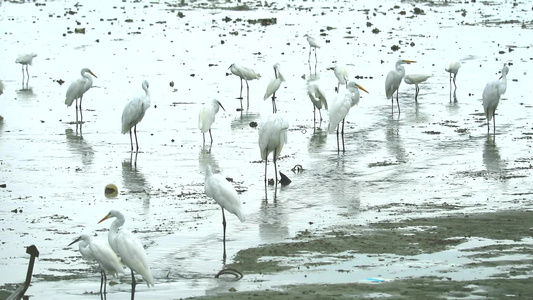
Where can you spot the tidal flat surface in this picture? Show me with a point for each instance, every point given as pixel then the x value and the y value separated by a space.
pixel 406 209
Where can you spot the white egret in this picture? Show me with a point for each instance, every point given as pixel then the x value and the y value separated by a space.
pixel 416 79
pixel 246 74
pixel 223 192
pixel 393 80
pixel 92 249
pixel 491 97
pixel 318 98
pixel 273 86
pixel 340 107
pixel 342 75
pixel 129 248
pixel 77 89
pixel 206 117
pixel 25 59
pixel 453 68
pixel 134 112
pixel 313 44
pixel 272 138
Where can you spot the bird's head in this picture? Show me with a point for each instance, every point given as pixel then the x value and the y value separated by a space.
pixel 353 85
pixel 75 241
pixel 111 214
pixel 85 237
pixel 220 104
pixel 405 61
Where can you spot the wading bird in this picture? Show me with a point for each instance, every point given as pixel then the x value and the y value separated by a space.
pixel 25 59
pixel 416 79
pixel 393 80
pixel 129 248
pixel 491 97
pixel 318 98
pixel 92 249
pixel 273 87
pixel 272 138
pixel 77 89
pixel 246 74
pixel 134 112
pixel 453 68
pixel 206 117
pixel 223 192
pixel 340 107
pixel 342 75
pixel 313 44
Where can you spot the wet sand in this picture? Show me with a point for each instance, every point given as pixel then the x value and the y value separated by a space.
pixel 415 204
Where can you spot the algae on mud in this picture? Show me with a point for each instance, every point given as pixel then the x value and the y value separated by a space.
pixel 407 239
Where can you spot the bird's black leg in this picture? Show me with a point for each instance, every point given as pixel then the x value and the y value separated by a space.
pixel 416 93
pixel 105 282
pixel 274 109
pixel 247 95
pixel 133 283
pixel 211 136
pixel 398 102
pixel 308 59
pixel 494 123
pixel 275 167
pixel 314 115
pixel 315 57
pixel 266 161
pixel 338 148
pixel 454 84
pixel 28 73
pixel 203 137
pixel 136 142
pixel 342 134
pixel 224 236
pixel 102 274
pixel 131 141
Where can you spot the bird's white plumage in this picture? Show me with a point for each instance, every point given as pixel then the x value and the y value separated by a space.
pixel 394 78
pixel 317 95
pixel 453 67
pixel 92 249
pixel 223 192
pixel 207 114
pixel 313 43
pixel 135 109
pixel 79 87
pixel 273 136
pixel 340 107
pixel 128 247
pixel 415 78
pixel 492 94
pixel 25 58
pixel 244 72
pixel 274 83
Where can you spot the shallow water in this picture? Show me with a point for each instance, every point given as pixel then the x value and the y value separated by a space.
pixel 436 152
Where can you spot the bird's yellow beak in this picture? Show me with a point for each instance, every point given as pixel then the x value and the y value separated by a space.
pixel 361 88
pixel 75 241
pixel 92 74
pixel 408 61
pixel 105 218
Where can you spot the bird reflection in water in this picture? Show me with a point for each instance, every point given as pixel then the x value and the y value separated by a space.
pixel 491 156
pixel 134 181
pixel 25 92
pixel 79 146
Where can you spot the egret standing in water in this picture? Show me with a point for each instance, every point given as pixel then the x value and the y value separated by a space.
pixel 25 59
pixel 313 44
pixel 223 192
pixel 453 68
pixel 491 97
pixel 393 80
pixel 272 138
pixel 318 98
pixel 77 89
pixel 273 87
pixel 416 79
pixel 206 117
pixel 134 112
pixel 342 75
pixel 246 74
pixel 129 248
pixel 92 249
pixel 340 107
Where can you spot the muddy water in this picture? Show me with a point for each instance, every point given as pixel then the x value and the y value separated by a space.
pixel 435 154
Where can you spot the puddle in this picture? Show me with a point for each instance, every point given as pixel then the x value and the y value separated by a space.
pixel 434 159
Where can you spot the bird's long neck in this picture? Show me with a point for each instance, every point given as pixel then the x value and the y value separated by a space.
pixel 89 79
pixel 208 172
pixel 115 226
pixel 400 69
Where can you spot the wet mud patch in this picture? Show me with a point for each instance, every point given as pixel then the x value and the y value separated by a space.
pixel 507 249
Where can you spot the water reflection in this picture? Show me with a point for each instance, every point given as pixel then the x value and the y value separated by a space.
pixel 206 158
pixel 317 141
pixel 78 145
pixel 491 156
pixel 243 120
pixel 25 92
pixel 273 222
pixel 393 141
pixel 133 180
